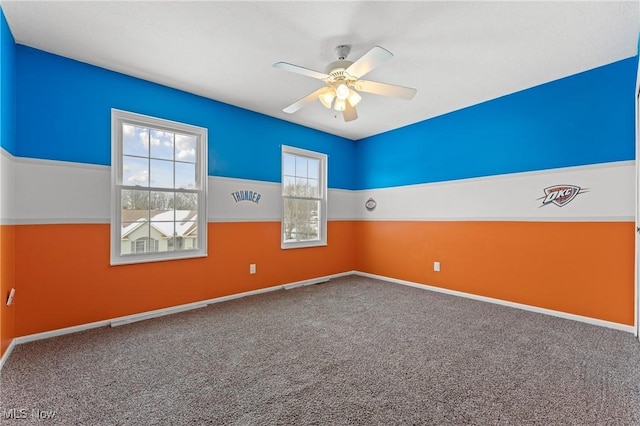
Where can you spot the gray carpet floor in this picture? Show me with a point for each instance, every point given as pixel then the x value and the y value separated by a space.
pixel 353 351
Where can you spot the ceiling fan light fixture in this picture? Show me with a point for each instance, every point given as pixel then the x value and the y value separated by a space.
pixel 343 84
pixel 342 91
pixel 354 97
pixel 326 97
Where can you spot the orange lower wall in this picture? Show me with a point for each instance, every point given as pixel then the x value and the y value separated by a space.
pixel 64 277
pixel 7 281
pixel 579 268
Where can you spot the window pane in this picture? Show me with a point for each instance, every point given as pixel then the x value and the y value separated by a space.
pixel 185 175
pixel 135 140
pixel 306 210
pixel 301 166
pixel 187 235
pixel 186 146
pixel 313 187
pixel 161 144
pixel 161 205
pixel 134 233
pixel 289 164
pixel 186 201
pixel 161 175
pixel 301 220
pixel 135 171
pixel 301 187
pixel 134 200
pixel 130 232
pixel 185 215
pixel 313 168
pixel 289 185
pixel 162 231
pixel 289 219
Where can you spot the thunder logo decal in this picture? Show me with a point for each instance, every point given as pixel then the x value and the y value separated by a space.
pixel 560 195
pixel 245 195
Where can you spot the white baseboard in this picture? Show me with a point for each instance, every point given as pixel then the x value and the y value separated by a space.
pixel 316 280
pixel 60 332
pixel 128 319
pixel 6 354
pixel 196 305
pixel 560 314
pixel 154 314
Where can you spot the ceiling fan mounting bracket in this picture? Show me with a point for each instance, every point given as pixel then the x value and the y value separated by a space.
pixel 343 51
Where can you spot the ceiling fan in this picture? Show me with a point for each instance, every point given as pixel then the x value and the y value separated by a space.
pixel 342 79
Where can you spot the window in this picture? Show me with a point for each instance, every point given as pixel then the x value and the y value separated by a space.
pixel 304 198
pixel 159 189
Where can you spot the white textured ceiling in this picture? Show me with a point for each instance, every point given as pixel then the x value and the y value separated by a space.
pixel 455 53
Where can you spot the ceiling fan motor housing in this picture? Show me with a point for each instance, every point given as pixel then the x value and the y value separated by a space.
pixel 336 70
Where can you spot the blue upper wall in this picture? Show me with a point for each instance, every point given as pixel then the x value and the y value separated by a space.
pixel 64 113
pixel 583 119
pixel 7 87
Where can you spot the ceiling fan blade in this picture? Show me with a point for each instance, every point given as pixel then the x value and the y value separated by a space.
pixel 302 102
pixel 374 57
pixel 349 112
pixel 385 89
pixel 301 70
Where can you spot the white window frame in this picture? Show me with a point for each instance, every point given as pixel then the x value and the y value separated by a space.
pixel 322 198
pixel 118 118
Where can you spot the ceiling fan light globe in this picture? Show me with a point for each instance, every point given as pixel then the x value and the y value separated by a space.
pixel 354 98
pixel 326 98
pixel 342 91
pixel 340 105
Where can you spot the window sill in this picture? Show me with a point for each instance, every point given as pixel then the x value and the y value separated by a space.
pixel 135 259
pixel 306 244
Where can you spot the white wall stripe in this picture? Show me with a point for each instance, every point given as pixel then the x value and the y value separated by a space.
pixel 606 194
pixel 54 192
pixel 58 192
pixel 7 187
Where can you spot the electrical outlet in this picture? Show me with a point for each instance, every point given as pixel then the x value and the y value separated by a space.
pixel 252 268
pixel 436 266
